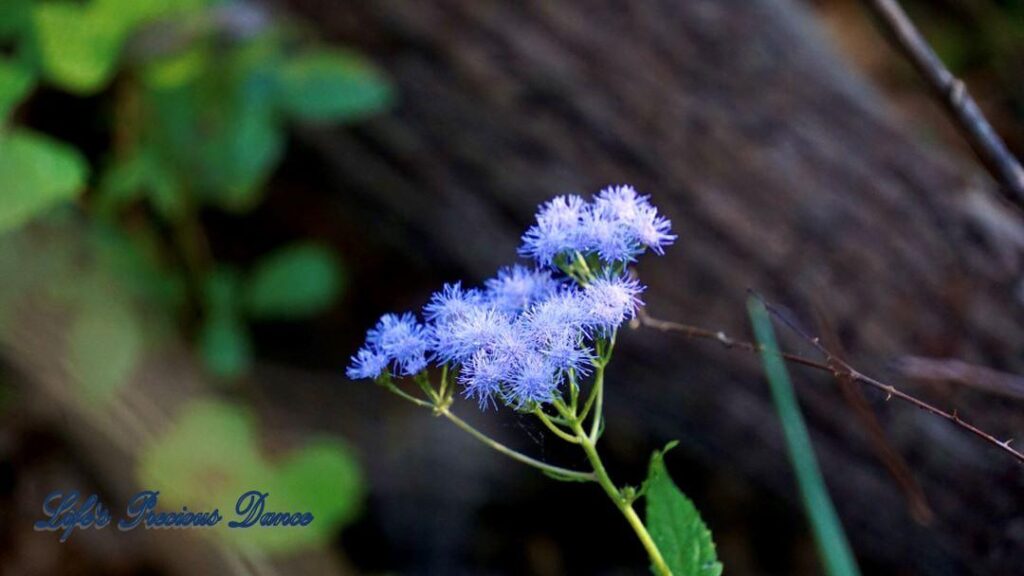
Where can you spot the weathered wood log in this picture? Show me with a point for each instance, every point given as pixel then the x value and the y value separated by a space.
pixel 781 169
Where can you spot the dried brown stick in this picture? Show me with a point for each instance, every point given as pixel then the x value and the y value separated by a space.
pixel 836 369
pixel 966 114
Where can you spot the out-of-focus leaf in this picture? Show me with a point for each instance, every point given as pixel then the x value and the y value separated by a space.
pixel 322 478
pixel 177 69
pixel 130 259
pixel 223 339
pixel 332 85
pixel 224 345
pixel 221 130
pixel 35 174
pixel 78 47
pixel 296 281
pixel 137 177
pixel 834 549
pixel 210 457
pixel 105 344
pixel 80 44
pixel 15 16
pixel 15 82
pixel 206 459
pixel 675 525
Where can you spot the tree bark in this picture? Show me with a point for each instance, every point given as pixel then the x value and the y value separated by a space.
pixel 782 171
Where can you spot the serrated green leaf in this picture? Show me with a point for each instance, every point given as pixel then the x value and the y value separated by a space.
pixel 676 526
pixel 15 82
pixel 293 282
pixel 105 344
pixel 332 85
pixel 35 174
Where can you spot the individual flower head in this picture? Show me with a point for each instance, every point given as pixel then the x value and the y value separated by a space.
pixel 451 303
pixel 611 300
pixel 534 380
pixel 483 374
pixel 481 326
pixel 558 229
pixel 557 326
pixel 635 217
pixel 608 237
pixel 517 287
pixel 403 340
pixel 367 363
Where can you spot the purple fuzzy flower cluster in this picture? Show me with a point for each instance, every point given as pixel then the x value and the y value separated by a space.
pixel 618 226
pixel 526 330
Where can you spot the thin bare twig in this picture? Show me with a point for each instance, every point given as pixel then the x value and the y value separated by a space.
pixel 834 368
pixel 966 114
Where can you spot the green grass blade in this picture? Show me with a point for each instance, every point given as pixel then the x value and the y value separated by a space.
pixel 828 532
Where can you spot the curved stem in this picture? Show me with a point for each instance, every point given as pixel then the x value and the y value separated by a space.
pixel 539 412
pixel 556 470
pixel 624 505
pixel 598 392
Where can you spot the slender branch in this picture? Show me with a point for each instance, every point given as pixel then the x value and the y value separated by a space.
pixel 519 456
pixel 539 412
pixel 837 369
pixel 964 111
pixel 624 504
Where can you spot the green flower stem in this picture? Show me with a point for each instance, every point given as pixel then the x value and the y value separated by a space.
pixel 625 505
pixel 598 392
pixel 555 470
pixel 539 412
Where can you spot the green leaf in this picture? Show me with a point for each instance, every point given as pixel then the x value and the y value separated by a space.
pixel 206 460
pixel 15 82
pixel 224 345
pixel 223 339
pixel 676 526
pixel 828 531
pixel 210 457
pixel 105 344
pixel 332 85
pixel 78 45
pixel 35 174
pixel 323 478
pixel 300 280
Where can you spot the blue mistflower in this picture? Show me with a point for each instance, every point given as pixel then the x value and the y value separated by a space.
pixel 367 363
pixel 559 228
pixel 611 300
pixel 608 237
pixel 516 288
pixel 518 338
pixel 450 303
pixel 482 376
pixel 458 340
pixel 403 340
pixel 634 215
pixel 535 380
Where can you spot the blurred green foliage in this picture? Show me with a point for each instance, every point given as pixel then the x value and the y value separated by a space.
pixel 197 97
pixel 211 457
pixel 201 94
